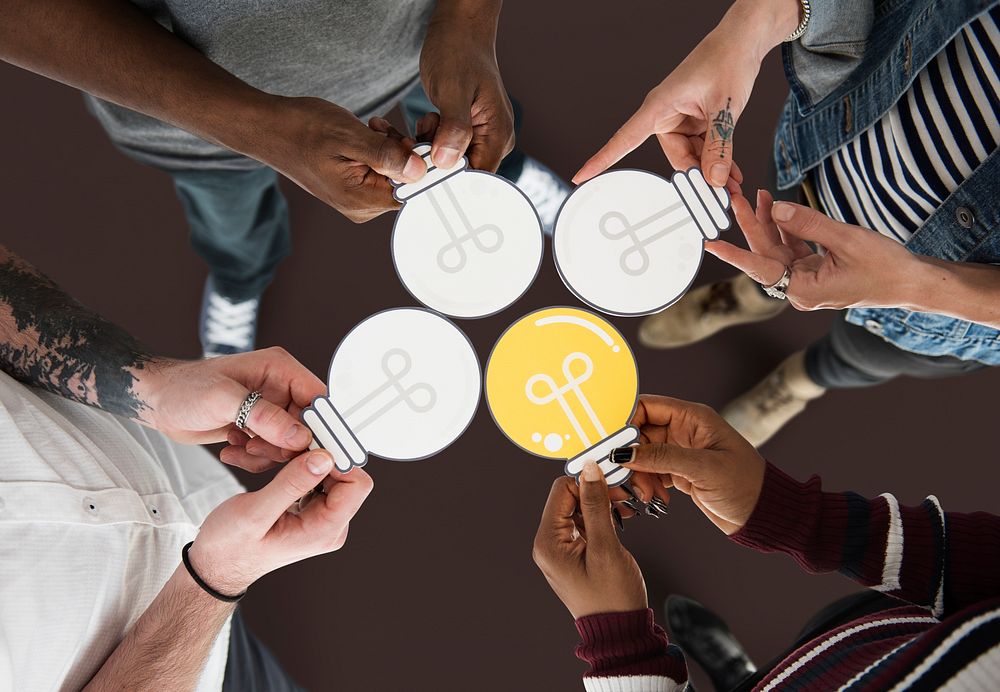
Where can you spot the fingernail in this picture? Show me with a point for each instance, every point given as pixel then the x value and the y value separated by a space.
pixel 445 157
pixel 757 200
pixel 591 472
pixel 415 168
pixel 628 491
pixel 782 211
pixel 320 463
pixel 618 519
pixel 662 506
pixel 636 506
pixel 623 455
pixel 719 174
pixel 295 434
pixel 652 511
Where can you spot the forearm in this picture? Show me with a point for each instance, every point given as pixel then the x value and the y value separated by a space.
pixel 169 645
pixel 943 562
pixel 110 49
pixel 963 290
pixel 759 25
pixel 49 340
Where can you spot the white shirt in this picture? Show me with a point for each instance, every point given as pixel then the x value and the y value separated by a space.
pixel 94 510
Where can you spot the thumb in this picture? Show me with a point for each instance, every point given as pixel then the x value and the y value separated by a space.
pixel 664 458
pixel 807 224
pixel 595 506
pixel 717 154
pixel 294 480
pixel 454 131
pixel 388 156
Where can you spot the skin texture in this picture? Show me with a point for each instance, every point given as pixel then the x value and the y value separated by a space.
pixel 244 538
pixel 860 268
pixel 110 49
pixel 693 112
pixel 49 340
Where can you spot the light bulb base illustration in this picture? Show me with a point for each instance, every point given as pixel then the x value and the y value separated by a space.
pixel 601 455
pixel 330 432
pixel 630 243
pixel 466 243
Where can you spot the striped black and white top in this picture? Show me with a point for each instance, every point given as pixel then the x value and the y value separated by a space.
pixel 894 175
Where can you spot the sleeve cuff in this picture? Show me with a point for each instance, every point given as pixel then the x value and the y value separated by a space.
pixel 628 644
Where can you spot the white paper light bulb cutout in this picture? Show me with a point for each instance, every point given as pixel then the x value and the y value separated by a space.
pixel 562 383
pixel 404 384
pixel 466 243
pixel 630 242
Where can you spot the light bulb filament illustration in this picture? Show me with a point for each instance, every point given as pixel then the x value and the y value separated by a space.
pixel 419 397
pixel 572 385
pixel 452 257
pixel 638 245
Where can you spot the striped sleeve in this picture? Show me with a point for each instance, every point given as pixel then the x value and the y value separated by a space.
pixel 629 652
pixel 941 561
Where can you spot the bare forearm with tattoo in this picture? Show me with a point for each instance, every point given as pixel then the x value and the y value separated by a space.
pixel 49 340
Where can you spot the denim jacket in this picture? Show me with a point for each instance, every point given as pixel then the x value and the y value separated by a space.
pixel 854 62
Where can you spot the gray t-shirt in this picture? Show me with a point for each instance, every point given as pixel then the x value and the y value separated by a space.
pixel 362 55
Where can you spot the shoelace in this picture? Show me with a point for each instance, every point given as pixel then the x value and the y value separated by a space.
pixel 230 324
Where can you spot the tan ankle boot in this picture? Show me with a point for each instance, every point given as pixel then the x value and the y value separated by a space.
pixel 782 395
pixel 707 310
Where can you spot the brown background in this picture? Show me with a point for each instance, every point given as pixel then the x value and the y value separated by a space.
pixel 436 589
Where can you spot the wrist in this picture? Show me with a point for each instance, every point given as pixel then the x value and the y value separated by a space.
pixel 149 382
pixel 220 574
pixel 916 284
pixel 761 25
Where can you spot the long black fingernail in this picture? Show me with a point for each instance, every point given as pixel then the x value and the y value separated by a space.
pixel 652 511
pixel 630 492
pixel 623 455
pixel 618 519
pixel 635 505
pixel 662 506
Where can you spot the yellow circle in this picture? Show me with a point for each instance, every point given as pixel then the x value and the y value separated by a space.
pixel 561 380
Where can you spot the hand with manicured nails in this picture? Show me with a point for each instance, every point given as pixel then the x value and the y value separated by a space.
pixel 196 402
pixel 327 151
pixel 458 67
pixel 254 533
pixel 860 268
pixel 578 550
pixel 690 447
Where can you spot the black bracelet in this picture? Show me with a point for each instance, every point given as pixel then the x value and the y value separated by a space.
pixel 201 582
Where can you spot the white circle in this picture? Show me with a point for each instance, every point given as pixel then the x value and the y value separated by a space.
pixel 624 243
pixel 553 442
pixel 535 437
pixel 468 246
pixel 406 382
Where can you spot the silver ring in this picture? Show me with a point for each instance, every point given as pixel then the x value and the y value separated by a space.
pixel 778 288
pixel 245 407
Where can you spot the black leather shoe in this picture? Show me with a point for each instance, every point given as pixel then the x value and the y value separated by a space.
pixel 706 639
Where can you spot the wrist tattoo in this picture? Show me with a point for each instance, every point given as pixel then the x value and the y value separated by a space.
pixel 49 340
pixel 720 134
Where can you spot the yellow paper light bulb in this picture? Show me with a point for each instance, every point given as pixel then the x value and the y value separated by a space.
pixel 562 383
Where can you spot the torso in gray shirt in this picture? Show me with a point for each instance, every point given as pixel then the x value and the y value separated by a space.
pixel 360 54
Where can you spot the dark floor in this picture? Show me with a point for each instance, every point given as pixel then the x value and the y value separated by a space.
pixel 436 589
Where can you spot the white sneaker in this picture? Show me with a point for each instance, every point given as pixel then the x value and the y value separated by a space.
pixel 226 327
pixel 706 310
pixel 545 189
pixel 782 395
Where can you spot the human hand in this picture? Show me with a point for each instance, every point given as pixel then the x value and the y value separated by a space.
pixel 579 553
pixel 196 402
pixel 459 71
pixel 690 447
pixel 254 533
pixel 693 112
pixel 861 268
pixel 328 152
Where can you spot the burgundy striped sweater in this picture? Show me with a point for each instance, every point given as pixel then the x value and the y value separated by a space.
pixel 944 568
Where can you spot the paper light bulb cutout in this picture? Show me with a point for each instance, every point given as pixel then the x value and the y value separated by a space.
pixel 630 243
pixel 562 383
pixel 466 243
pixel 403 385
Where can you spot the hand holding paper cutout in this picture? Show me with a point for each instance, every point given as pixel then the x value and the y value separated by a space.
pixel 466 243
pixel 404 384
pixel 561 383
pixel 630 243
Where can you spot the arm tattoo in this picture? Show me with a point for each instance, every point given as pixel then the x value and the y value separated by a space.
pixel 49 340
pixel 720 135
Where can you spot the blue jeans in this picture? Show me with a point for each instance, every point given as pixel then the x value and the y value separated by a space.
pixel 239 219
